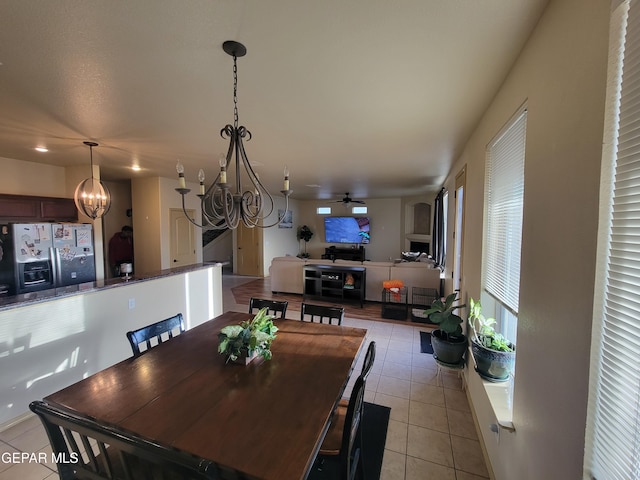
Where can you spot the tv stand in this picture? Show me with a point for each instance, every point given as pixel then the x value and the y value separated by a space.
pixel 335 283
pixel 333 253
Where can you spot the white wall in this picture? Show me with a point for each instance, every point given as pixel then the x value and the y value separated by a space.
pixel 279 242
pixel 561 74
pixel 152 198
pixel 386 228
pixel 145 201
pixel 28 178
pixel 53 344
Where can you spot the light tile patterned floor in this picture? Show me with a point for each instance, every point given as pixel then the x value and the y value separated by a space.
pixel 431 432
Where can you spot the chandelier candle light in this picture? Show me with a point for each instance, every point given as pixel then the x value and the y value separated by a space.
pixel 222 208
pixel 92 197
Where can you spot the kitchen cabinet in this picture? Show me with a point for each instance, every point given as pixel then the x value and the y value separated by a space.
pixel 32 209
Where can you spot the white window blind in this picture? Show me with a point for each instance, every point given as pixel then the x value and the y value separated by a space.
pixel 504 193
pixel 612 446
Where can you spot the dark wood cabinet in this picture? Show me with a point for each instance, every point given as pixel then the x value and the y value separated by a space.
pixel 335 283
pixel 18 208
pixel 57 209
pixel 28 209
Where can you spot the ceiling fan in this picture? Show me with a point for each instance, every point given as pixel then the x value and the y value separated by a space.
pixel 347 200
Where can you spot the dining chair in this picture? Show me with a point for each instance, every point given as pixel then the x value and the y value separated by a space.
pixel 166 328
pixel 87 450
pixel 274 307
pixel 369 358
pixel 343 442
pixel 321 314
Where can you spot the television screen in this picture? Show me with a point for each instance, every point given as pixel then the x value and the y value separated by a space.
pixel 346 229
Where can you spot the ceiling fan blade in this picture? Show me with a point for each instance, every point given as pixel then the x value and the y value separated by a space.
pixel 347 200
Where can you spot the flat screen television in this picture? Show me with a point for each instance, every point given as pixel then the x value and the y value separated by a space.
pixel 346 230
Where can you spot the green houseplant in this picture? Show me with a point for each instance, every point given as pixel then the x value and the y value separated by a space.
pixel 493 353
pixel 250 339
pixel 448 341
pixel 305 234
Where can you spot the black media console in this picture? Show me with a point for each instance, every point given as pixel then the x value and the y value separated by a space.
pixel 334 283
pixel 333 253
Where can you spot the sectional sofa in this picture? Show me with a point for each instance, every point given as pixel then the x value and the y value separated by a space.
pixel 287 275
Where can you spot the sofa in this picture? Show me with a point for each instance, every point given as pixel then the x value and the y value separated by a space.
pixel 417 274
pixel 287 275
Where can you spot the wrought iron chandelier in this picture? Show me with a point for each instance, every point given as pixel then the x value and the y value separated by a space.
pixel 221 207
pixel 92 197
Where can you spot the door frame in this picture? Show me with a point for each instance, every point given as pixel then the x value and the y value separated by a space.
pixel 458 230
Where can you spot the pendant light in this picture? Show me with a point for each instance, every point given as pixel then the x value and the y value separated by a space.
pixel 226 204
pixel 92 197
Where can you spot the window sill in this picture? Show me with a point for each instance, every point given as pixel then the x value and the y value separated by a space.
pixel 500 400
pixel 500 397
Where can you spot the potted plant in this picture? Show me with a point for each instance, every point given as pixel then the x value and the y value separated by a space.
pixel 448 341
pixel 304 233
pixel 250 339
pixel 493 353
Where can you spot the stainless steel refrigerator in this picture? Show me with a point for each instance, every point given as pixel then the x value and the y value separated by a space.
pixel 46 255
pixel 72 254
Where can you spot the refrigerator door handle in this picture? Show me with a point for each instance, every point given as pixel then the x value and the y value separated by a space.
pixel 54 254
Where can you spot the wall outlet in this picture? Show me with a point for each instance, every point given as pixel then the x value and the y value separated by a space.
pixel 132 303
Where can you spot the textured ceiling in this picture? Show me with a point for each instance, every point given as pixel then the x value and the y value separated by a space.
pixel 368 96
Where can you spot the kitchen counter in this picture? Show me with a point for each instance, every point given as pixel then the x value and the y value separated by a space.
pixel 54 338
pixel 7 303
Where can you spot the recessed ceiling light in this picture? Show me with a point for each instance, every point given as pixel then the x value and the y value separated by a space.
pixel 42 149
pixel 136 168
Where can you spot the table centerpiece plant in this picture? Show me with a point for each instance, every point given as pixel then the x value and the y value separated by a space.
pixel 493 353
pixel 250 339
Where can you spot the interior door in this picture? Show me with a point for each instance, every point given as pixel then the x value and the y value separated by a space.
pixel 183 240
pixel 249 254
pixel 458 232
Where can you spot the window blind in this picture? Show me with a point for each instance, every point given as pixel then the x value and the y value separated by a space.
pixel 504 194
pixel 612 445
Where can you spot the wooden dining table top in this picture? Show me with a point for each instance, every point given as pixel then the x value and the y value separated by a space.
pixel 266 419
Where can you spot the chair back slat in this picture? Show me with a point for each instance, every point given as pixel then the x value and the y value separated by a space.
pixel 276 308
pixel 350 453
pixel 321 314
pixel 110 453
pixel 369 358
pixel 154 333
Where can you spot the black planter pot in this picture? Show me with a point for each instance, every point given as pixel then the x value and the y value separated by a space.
pixel 492 365
pixel 448 350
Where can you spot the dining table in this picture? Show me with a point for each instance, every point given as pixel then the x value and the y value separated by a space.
pixel 266 419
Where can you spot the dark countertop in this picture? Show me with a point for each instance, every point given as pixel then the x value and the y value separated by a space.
pixel 16 301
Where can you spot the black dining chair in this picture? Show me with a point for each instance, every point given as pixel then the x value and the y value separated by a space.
pixel 155 334
pixel 274 307
pixel 321 314
pixel 343 442
pixel 87 450
pixel 369 358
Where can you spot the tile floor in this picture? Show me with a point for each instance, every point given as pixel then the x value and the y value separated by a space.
pixel 431 431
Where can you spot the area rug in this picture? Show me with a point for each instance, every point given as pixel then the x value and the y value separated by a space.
pixel 374 436
pixel 425 342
